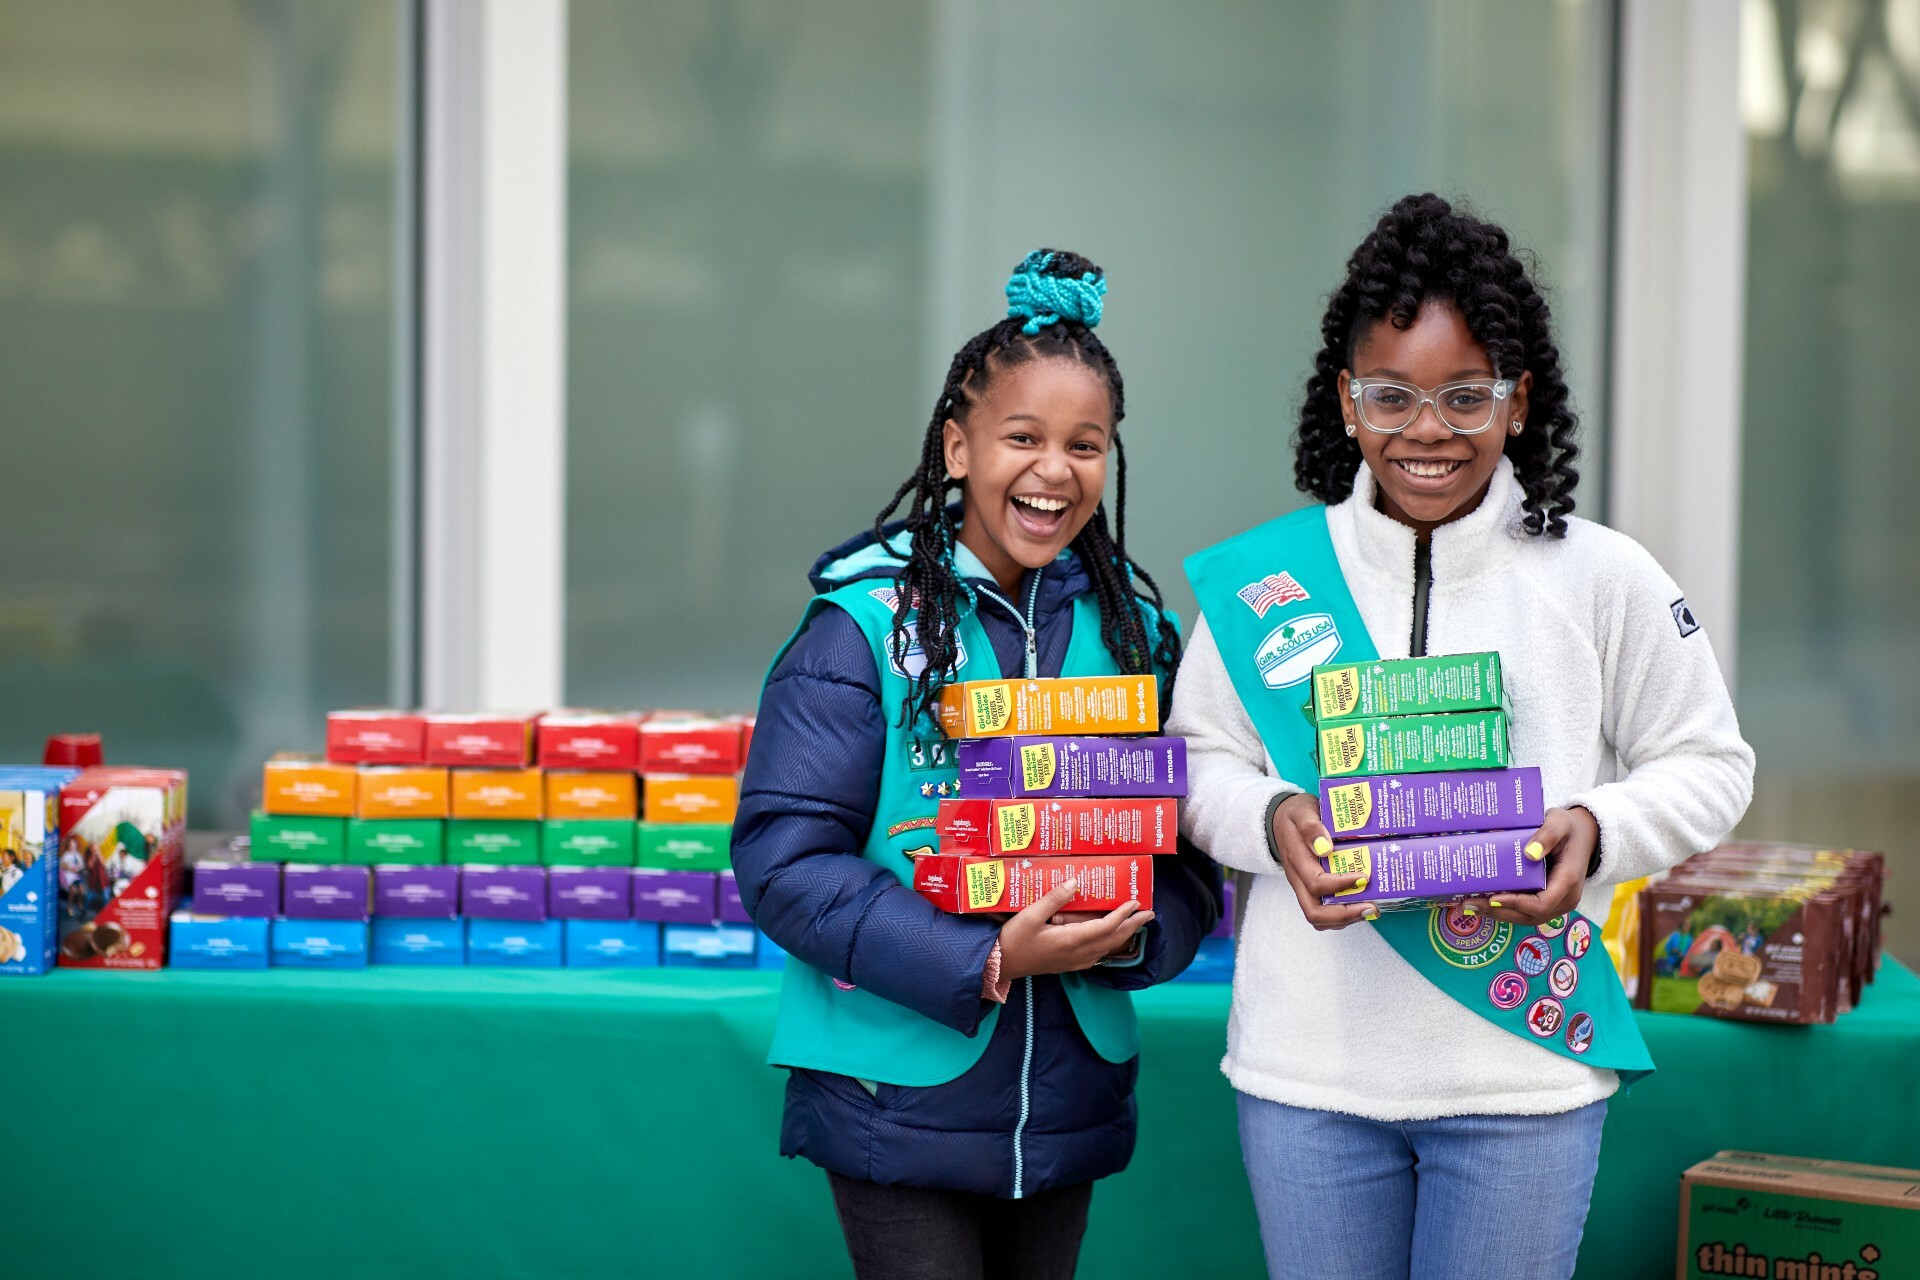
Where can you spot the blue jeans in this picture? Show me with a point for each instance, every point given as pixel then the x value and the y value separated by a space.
pixel 1486 1197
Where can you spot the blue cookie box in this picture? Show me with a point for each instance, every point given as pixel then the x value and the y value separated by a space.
pixel 612 944
pixel 1212 963
pixel 319 944
pixel 525 944
pixel 31 907
pixel 419 940
pixel 216 942
pixel 707 946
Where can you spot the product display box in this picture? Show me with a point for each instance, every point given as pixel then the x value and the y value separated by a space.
pixel 480 740
pixel 1461 740
pixel 1431 804
pixel 376 736
pixel 247 889
pixel 1072 705
pixel 319 944
pixel 962 884
pixel 1420 871
pixel 414 841
pixel 201 941
pixel 707 946
pixel 672 743
pixel 593 795
pixel 404 791
pixel 284 838
pixel 685 846
pixel 519 944
pixel 995 827
pixel 292 783
pixel 686 797
pixel 587 844
pixel 1408 686
pixel 590 893
pixel 499 794
pixel 576 739
pixel 503 893
pixel 416 893
pixel 675 897
pixel 401 940
pixel 731 910
pixel 123 830
pixel 311 892
pixel 1015 768
pixel 612 944
pixel 34 871
pixel 511 843
pixel 1745 1214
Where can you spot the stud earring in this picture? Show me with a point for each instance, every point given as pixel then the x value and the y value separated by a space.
pixel 1519 426
pixel 1351 431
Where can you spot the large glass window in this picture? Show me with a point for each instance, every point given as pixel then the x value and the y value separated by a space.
pixel 197 228
pixel 784 216
pixel 1829 659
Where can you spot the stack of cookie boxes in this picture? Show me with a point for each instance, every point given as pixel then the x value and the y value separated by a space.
pixel 593 838
pixel 1416 787
pixel 1048 790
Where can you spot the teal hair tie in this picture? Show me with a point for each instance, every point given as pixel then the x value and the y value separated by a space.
pixel 1045 299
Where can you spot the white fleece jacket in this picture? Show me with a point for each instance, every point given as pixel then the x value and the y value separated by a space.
pixel 1615 696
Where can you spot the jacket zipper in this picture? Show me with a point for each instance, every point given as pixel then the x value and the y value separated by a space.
pixel 1422 587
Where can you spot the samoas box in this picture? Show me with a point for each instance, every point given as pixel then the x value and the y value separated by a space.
pixel 1431 804
pixel 30 857
pixel 1418 871
pixel 1012 768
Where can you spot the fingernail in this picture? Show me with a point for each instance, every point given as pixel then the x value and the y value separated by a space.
pixel 1468 911
pixel 1369 912
pixel 1493 902
pixel 1535 850
pixel 1359 882
pixel 1322 846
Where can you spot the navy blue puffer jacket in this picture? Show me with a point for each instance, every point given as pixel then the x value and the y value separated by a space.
pixel 1040 1109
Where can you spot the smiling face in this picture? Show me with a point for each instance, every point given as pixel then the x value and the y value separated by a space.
pixel 1032 449
pixel 1427 474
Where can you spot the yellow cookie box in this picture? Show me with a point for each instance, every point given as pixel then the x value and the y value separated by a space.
pixel 1072 704
pixel 686 797
pixel 499 793
pixel 403 791
pixel 302 784
pixel 592 794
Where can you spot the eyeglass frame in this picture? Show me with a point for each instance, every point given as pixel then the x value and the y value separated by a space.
pixel 1502 389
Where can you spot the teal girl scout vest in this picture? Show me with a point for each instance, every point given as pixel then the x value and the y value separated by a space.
pixel 823 1026
pixel 1278 604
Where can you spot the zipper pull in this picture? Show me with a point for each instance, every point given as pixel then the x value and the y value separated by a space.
pixel 1033 656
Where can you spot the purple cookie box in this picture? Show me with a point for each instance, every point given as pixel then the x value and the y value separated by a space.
pixel 503 892
pixel 417 893
pixel 1418 870
pixel 237 888
pixel 1224 929
pixel 1431 804
pixel 312 892
pixel 590 893
pixel 1083 767
pixel 732 910
pixel 674 897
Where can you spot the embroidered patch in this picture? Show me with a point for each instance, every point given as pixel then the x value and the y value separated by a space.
pixel 1467 942
pixel 1273 590
pixel 1545 1016
pixel 1291 650
pixel 1532 956
pixel 1580 1032
pixel 1579 937
pixel 1683 617
pixel 1563 977
pixel 1552 928
pixel 911 824
pixel 1508 990
pixel 909 662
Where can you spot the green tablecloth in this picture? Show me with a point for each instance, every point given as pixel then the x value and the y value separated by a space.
pixel 493 1123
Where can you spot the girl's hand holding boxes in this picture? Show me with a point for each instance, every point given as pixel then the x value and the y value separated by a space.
pixel 1297 833
pixel 1031 943
pixel 1568 839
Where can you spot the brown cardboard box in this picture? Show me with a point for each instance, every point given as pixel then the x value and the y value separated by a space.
pixel 1792 1218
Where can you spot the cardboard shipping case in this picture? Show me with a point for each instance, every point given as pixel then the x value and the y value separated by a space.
pixel 1791 1218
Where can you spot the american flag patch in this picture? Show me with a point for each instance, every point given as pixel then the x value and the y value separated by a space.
pixel 1274 589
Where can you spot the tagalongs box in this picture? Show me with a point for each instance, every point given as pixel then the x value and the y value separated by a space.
pixel 1792 1218
pixel 123 832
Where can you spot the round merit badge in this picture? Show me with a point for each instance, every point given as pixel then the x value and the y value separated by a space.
pixel 1508 990
pixel 1532 956
pixel 1579 937
pixel 1545 1016
pixel 1563 977
pixel 1580 1032
pixel 1467 942
pixel 1552 928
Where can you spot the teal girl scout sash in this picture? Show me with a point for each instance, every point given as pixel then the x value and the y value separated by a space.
pixel 1278 604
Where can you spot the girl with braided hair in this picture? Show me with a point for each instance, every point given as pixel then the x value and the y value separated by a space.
pixel 1414 1084
pixel 962 1080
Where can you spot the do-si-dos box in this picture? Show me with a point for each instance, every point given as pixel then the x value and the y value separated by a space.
pixel 711 799
pixel 612 944
pixel 247 889
pixel 685 846
pixel 416 893
pixel 30 867
pixel 1408 686
pixel 1431 804
pixel 1413 744
pixel 962 884
pixel 673 743
pixel 1420 871
pixel 1014 768
pixel 592 795
pixel 200 940
pixel 408 940
pixel 297 838
pixel 413 841
pixel 491 740
pixel 123 834
pixel 519 944
pixel 367 735
pixel 319 944
pixel 404 791
pixel 572 738
pixel 1069 705
pixel 998 827
pixel 1747 1214
pixel 292 783
pixel 503 795
pixel 504 893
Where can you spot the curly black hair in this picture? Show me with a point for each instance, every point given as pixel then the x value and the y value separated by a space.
pixel 1421 250
pixel 927 584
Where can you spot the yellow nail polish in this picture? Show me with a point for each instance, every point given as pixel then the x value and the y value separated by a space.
pixel 1369 912
pixel 1322 846
pixel 1359 882
pixel 1493 902
pixel 1535 851
pixel 1468 911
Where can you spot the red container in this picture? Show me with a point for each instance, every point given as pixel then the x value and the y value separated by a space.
pixel 122 859
pixel 73 750
pixel 1040 827
pixel 690 745
pixel 495 740
pixel 963 884
pixel 368 735
pixel 608 741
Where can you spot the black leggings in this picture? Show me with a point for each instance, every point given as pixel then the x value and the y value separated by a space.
pixel 912 1233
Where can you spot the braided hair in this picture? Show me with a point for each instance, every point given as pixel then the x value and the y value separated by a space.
pixel 1056 300
pixel 1422 250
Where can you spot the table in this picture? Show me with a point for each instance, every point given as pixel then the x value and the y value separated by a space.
pixel 400 1122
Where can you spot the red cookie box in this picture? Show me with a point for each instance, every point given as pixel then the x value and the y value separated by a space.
pixel 608 741
pixel 480 739
pixel 677 742
pixel 961 883
pixel 122 859
pixel 1078 826
pixel 369 735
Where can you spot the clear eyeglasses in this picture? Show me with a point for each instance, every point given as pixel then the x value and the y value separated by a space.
pixel 1467 408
